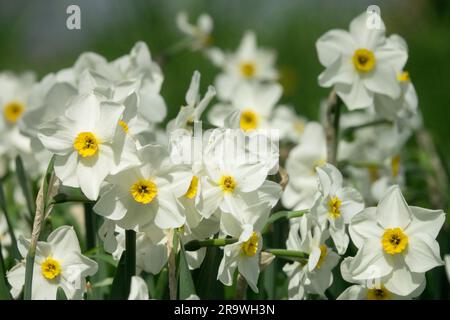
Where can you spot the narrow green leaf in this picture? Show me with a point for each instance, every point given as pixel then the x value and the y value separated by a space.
pixel 161 285
pixel 28 287
pixel 60 294
pixel 14 250
pixel 4 288
pixel 25 185
pixel 186 284
pixel 118 289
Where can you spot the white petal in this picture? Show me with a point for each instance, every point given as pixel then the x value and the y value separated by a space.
pixel 392 210
pixel 332 45
pixel 422 253
pixel 138 289
pixel 364 226
pixel 370 261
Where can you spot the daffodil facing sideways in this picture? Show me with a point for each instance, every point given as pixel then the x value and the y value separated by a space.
pixel 335 205
pixel 395 242
pixel 245 253
pixel 301 166
pixel 313 275
pixel 58 264
pixel 89 143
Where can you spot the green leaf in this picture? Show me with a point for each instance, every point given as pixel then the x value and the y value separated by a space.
pixel 25 185
pixel 4 288
pixel 14 250
pixel 118 289
pixel 60 294
pixel 186 284
pixel 161 284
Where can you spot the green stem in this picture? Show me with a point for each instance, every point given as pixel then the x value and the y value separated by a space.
pixel 283 215
pixel 89 221
pixel 197 244
pixel 130 258
pixel 333 113
pixel 172 266
pixel 28 275
pixel 4 207
pixel 289 254
pixel 336 126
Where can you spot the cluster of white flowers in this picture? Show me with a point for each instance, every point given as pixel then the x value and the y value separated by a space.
pixel 102 122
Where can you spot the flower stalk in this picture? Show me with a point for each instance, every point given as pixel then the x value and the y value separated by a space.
pixel 333 113
pixel 197 244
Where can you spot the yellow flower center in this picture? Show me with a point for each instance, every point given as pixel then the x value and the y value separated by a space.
pixel 227 183
pixel 323 255
pixel 334 205
pixel 394 241
pixel 249 120
pixel 193 187
pixel 403 77
pixel 395 166
pixel 248 69
pixel 250 247
pixel 364 60
pixel 50 268
pixel 13 111
pixel 144 191
pixel 86 143
pixel 124 126
pixel 378 294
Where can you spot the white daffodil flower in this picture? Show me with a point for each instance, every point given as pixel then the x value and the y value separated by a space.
pixel 248 64
pixel 397 241
pixel 58 263
pixel 194 105
pixel 314 275
pixel 301 165
pixel 233 179
pixel 138 289
pixel 15 93
pixel 250 107
pixel 87 144
pixel 336 205
pixel 290 125
pixel 361 63
pixel 199 34
pixel 370 290
pixel 146 194
pixel 244 254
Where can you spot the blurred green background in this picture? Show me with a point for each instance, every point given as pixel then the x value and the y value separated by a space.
pixel 33 36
